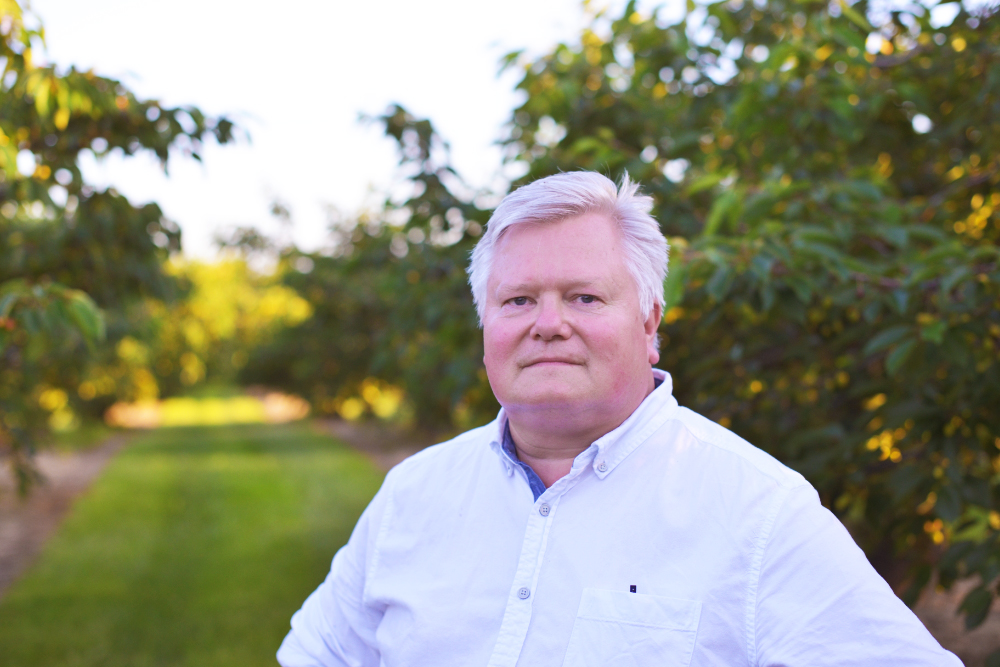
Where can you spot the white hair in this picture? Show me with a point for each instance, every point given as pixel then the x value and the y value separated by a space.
pixel 561 196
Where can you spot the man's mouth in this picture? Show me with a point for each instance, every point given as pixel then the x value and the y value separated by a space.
pixel 551 361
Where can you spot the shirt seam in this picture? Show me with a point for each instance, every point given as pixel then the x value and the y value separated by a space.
pixel 643 435
pixel 779 480
pixel 756 563
pixel 659 626
pixel 383 530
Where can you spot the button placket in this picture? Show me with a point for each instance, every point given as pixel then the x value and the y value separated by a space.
pixel 517 615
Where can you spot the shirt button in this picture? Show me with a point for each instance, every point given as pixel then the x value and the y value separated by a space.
pixel 523 593
pixel 544 509
pixel 602 467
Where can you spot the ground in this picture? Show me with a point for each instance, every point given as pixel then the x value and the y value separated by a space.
pixel 196 545
pixel 193 547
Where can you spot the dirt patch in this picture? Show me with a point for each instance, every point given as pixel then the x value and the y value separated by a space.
pixel 939 612
pixel 384 445
pixel 27 523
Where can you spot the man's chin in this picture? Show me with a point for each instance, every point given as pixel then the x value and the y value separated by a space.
pixel 555 399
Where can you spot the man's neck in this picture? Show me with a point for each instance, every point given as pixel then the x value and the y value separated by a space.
pixel 550 446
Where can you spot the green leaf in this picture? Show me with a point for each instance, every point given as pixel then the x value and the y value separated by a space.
pixel 887 337
pixel 725 207
pixel 88 319
pixel 904 480
pixel 673 286
pixel 934 332
pixel 815 233
pixel 767 296
pixel 976 606
pixel 7 302
pixel 720 282
pixel 802 286
pixel 949 505
pixel 821 250
pixel 899 355
pixel 894 234
pixel 703 183
pixel 848 37
pixel 954 278
pixel 900 298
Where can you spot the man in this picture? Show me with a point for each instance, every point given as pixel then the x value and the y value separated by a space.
pixel 595 522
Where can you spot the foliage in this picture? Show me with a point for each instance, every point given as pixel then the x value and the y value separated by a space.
pixel 390 300
pixel 228 311
pixel 36 322
pixel 194 547
pixel 834 289
pixel 61 240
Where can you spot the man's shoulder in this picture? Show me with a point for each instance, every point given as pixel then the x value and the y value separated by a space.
pixel 446 458
pixel 714 438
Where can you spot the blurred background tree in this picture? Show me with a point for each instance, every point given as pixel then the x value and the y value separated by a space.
pixel 74 260
pixel 393 315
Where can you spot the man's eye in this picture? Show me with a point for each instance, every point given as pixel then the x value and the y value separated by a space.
pixel 519 300
pixel 588 298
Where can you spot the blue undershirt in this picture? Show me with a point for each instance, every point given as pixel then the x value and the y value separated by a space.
pixel 534 481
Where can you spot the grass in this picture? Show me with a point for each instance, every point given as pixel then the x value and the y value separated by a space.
pixel 194 547
pixel 88 435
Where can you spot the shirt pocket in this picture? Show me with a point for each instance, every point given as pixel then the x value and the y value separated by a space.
pixel 620 629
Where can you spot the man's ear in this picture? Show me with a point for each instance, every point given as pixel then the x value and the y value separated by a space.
pixel 651 325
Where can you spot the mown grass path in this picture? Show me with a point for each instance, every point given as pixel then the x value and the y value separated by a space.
pixel 194 547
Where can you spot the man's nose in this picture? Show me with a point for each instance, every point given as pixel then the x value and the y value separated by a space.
pixel 551 320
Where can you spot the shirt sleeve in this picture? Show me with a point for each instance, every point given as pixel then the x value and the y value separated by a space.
pixel 334 627
pixel 819 601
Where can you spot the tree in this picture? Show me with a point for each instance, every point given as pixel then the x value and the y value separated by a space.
pixel 829 175
pixel 390 301
pixel 72 258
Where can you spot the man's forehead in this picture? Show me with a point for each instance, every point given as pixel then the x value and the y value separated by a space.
pixel 533 281
pixel 593 232
pixel 568 251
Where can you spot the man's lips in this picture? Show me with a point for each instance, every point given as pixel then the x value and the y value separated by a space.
pixel 541 361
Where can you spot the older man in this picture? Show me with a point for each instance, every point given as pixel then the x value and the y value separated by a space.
pixel 595 522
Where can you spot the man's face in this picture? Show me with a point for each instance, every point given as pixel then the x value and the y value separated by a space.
pixel 562 328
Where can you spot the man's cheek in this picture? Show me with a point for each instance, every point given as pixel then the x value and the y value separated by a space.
pixel 500 343
pixel 496 353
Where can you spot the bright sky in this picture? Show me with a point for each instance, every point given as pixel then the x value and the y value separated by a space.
pixel 296 74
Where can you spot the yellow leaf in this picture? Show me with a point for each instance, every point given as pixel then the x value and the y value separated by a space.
pixel 10 8
pixel 61 118
pixel 875 402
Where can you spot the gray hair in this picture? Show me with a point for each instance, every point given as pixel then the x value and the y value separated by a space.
pixel 575 193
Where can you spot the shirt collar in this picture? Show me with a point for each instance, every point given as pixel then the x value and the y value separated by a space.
pixel 605 453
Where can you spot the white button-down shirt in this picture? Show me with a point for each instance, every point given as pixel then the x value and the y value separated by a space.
pixel 670 542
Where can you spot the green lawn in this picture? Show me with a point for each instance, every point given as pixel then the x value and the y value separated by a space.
pixel 194 547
